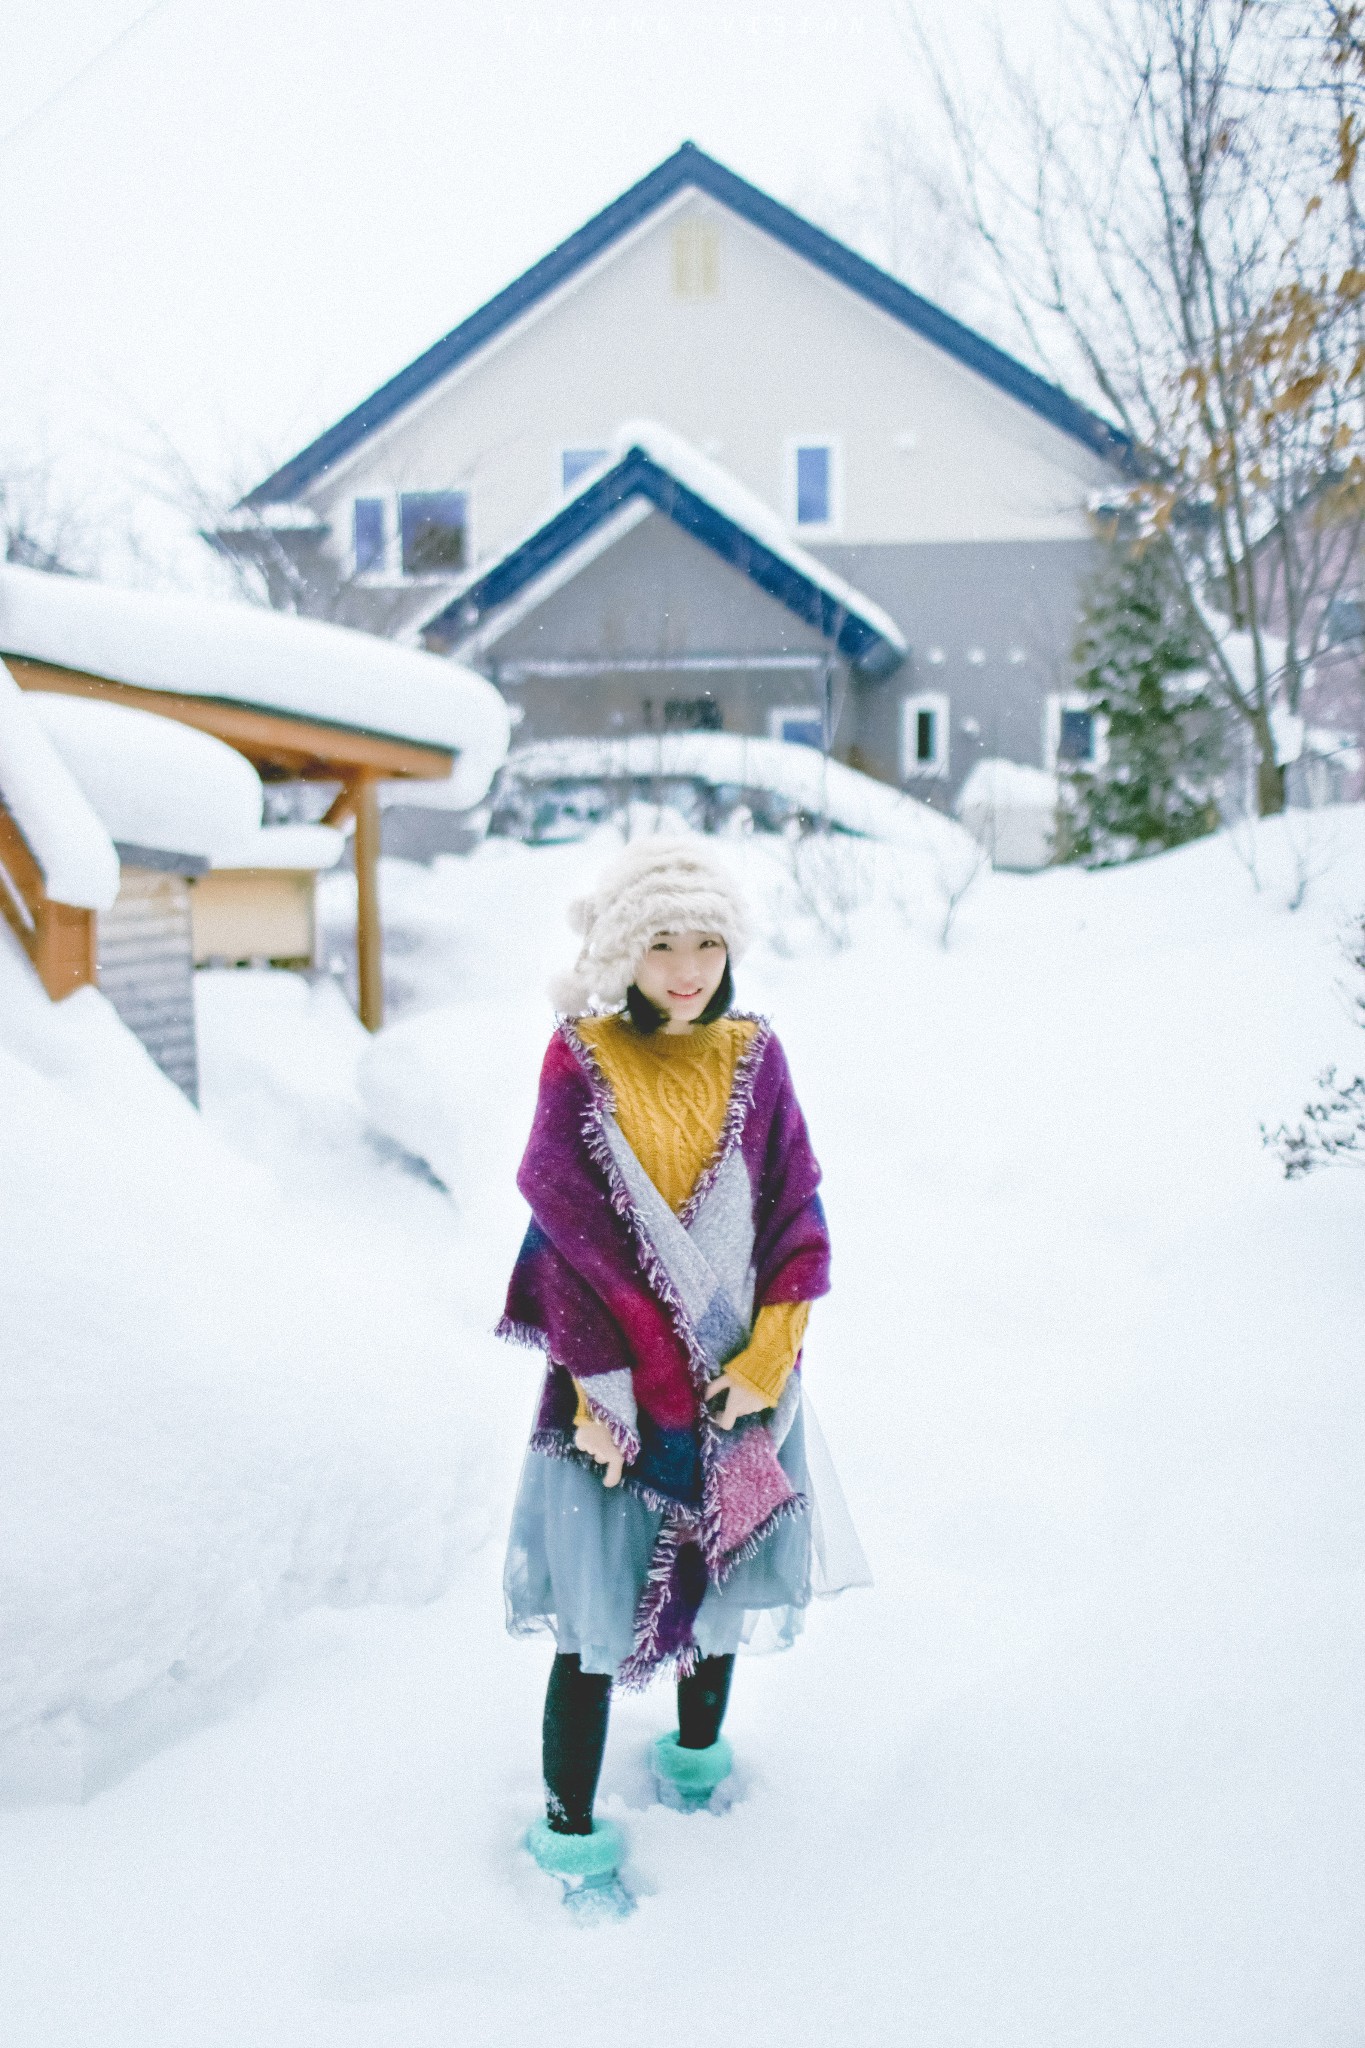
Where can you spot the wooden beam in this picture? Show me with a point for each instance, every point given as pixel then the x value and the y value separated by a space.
pixel 59 938
pixel 277 742
pixel 369 944
pixel 340 808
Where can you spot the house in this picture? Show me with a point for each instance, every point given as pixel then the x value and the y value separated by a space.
pixel 273 697
pixel 703 467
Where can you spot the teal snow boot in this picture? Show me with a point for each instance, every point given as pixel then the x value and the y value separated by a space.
pixel 586 1866
pixel 689 1779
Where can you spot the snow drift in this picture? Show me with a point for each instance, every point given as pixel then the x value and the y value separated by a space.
pixel 194 1439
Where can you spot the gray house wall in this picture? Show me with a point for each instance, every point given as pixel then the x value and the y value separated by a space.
pixel 659 618
pixel 991 625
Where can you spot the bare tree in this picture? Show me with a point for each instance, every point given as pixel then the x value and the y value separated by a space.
pixel 1185 236
pixel 42 525
pixel 274 555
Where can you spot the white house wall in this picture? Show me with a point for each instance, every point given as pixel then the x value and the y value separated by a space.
pixel 927 449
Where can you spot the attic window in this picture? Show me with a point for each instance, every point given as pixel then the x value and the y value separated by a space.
pixel 434 527
pixel 696 260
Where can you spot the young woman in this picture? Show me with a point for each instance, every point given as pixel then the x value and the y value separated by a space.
pixel 675 1246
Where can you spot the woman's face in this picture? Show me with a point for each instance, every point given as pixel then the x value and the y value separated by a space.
pixel 680 972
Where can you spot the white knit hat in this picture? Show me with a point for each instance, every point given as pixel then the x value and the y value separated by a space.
pixel 657 885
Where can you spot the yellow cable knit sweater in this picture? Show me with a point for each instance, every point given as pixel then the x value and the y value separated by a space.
pixel 671 1092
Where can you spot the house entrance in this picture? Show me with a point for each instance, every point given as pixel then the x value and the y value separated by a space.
pixel 692 714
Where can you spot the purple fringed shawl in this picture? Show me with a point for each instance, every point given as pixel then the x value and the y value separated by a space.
pixel 592 1288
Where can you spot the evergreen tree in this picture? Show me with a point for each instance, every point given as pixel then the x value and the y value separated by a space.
pixel 1138 669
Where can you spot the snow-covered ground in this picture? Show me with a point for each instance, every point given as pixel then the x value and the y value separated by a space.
pixel 1084 1767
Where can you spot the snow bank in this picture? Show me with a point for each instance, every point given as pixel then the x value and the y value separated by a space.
pixel 1084 1766
pixel 312 847
pixel 198 1435
pixel 855 802
pixel 68 840
pixel 207 648
pixel 153 781
pixel 1011 810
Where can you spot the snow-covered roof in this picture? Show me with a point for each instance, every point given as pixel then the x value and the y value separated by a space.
pixel 281 518
pixel 855 802
pixel 152 781
pixel 72 847
pixel 272 661
pixel 1006 785
pixel 648 462
pixel 308 848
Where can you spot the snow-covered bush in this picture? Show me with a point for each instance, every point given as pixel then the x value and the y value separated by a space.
pixel 1333 1130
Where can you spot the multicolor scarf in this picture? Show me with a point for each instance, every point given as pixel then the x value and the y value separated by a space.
pixel 643 1308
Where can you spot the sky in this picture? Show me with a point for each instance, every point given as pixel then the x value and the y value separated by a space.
pixel 221 225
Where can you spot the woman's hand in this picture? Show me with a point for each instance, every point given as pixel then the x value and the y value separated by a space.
pixel 736 1400
pixel 597 1440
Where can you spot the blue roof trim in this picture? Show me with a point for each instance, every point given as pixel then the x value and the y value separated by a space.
pixel 691 166
pixel 637 474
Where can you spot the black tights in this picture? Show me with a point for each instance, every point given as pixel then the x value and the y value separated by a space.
pixel 577 1704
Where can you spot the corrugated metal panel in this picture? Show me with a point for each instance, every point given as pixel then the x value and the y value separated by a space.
pixel 146 968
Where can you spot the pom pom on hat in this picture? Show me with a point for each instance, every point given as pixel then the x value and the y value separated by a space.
pixel 657 885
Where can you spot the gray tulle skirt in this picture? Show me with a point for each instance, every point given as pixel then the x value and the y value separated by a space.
pixel 578 1556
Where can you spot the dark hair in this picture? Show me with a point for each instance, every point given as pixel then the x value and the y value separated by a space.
pixel 647 1017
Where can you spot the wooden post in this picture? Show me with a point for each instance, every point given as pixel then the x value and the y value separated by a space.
pixel 369 945
pixel 65 955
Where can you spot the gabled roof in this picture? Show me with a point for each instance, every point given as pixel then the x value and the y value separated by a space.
pixel 650 463
pixel 690 167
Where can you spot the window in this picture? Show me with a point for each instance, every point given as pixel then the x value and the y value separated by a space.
pixel 1345 620
pixel 576 462
pixel 696 260
pixel 801 725
pixel 924 735
pixel 433 527
pixel 1076 736
pixel 1073 734
pixel 368 535
pixel 814 485
pixel 692 714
